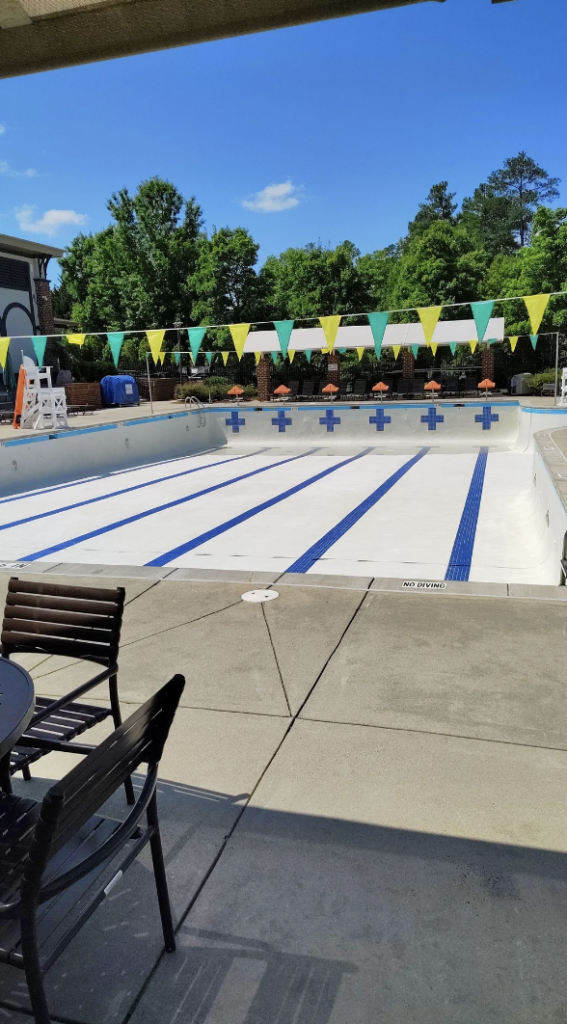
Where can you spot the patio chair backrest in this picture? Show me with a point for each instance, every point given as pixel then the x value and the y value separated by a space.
pixel 293 386
pixel 360 387
pixel 71 802
pixel 75 622
pixel 307 389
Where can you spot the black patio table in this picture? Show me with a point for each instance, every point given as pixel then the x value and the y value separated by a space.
pixel 16 709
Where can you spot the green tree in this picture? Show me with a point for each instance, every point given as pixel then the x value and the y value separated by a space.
pixel 440 265
pixel 439 205
pixel 490 220
pixel 135 273
pixel 379 272
pixel 312 281
pixel 527 186
pixel 225 285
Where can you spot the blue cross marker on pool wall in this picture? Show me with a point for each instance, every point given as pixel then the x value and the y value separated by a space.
pixel 487 418
pixel 329 419
pixel 235 422
pixel 432 419
pixel 281 421
pixel 380 419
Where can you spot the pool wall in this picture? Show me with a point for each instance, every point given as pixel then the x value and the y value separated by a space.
pixel 549 475
pixel 28 462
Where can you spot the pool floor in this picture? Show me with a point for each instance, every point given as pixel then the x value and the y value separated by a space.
pixel 415 512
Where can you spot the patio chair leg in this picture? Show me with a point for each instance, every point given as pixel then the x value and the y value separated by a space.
pixel 161 878
pixel 115 705
pixel 34 975
pixel 26 773
pixel 5 777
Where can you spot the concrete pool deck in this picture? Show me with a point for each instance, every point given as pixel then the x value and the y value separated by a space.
pixel 362 804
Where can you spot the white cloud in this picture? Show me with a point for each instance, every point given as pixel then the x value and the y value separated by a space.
pixel 51 221
pixel 273 198
pixel 6 169
pixel 2 129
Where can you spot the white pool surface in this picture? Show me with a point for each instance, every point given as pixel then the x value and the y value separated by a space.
pixel 413 511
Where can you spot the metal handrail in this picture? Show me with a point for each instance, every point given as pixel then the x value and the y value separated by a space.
pixel 193 400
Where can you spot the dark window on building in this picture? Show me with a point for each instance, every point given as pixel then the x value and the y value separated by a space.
pixel 14 274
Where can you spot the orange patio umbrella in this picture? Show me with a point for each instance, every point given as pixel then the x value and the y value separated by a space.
pixel 282 390
pixel 235 390
pixel 486 384
pixel 432 386
pixel 381 388
pixel 329 389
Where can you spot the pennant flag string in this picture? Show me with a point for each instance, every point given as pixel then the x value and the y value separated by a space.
pixel 378 323
pixel 115 342
pixel 39 342
pixel 536 306
pixel 196 335
pixel 4 346
pixel 239 333
pixel 330 325
pixel 482 311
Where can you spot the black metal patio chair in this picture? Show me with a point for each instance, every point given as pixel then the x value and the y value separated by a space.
pixel 307 389
pixel 59 858
pixel 75 622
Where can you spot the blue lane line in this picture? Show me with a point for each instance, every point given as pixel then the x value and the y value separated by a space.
pixel 230 523
pixel 159 508
pixel 109 476
pixel 124 490
pixel 317 550
pixel 461 556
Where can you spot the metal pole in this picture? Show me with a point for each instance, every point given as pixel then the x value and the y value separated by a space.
pixel 556 366
pixel 149 383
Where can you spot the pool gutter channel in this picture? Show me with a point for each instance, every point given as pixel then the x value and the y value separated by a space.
pixel 448 588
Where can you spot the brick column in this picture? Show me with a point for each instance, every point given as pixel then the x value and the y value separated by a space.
pixel 263 378
pixel 44 305
pixel 408 364
pixel 334 369
pixel 487 363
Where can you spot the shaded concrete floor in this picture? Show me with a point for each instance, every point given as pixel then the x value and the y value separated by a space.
pixel 362 803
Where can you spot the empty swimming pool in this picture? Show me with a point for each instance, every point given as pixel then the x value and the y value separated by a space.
pixel 419 491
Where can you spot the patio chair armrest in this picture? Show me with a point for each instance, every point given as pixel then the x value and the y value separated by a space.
pixel 111 845
pixel 68 698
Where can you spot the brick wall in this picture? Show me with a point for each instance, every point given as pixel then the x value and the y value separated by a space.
pixel 83 394
pixel 163 388
pixel 44 306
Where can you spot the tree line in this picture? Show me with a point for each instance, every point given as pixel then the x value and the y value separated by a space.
pixel 155 264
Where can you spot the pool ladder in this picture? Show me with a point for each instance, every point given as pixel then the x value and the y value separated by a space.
pixel 195 405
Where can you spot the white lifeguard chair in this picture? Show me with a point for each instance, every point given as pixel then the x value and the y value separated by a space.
pixel 563 389
pixel 44 407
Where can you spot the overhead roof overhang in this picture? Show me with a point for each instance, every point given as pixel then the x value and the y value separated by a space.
pixel 21 247
pixel 40 35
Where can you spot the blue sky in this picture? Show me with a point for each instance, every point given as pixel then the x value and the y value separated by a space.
pixel 353 119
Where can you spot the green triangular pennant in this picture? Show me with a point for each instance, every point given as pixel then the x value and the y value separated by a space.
pixel 209 357
pixel 115 342
pixel 482 311
pixel 453 347
pixel 307 354
pixel 39 343
pixel 533 339
pixel 196 335
pixel 284 329
pixel 341 351
pixel 177 357
pixel 378 324
pixel 415 350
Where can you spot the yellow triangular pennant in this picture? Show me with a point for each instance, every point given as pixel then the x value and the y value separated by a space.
pixel 290 355
pixel 225 356
pixel 473 344
pixel 76 339
pixel 330 325
pixel 325 351
pixel 257 357
pixel 513 342
pixel 396 350
pixel 155 339
pixel 536 306
pixel 433 347
pixel 239 334
pixel 361 352
pixel 429 317
pixel 4 346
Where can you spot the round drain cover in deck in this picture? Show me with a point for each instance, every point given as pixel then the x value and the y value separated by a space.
pixel 257 596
